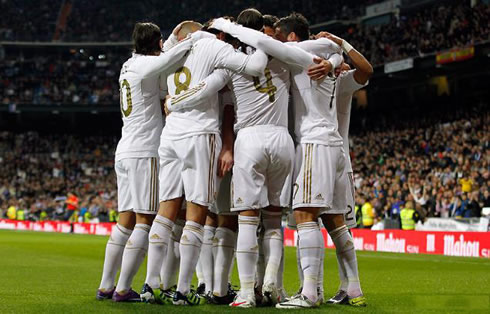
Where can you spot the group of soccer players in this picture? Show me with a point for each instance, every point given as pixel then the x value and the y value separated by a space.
pixel 208 176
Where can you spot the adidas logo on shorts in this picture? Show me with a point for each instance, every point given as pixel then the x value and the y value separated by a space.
pixel 319 197
pixel 239 200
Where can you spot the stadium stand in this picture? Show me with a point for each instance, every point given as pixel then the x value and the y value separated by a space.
pixel 427 165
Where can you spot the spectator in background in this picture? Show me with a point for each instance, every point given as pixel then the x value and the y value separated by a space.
pixel 409 216
pixel 466 184
pixel 473 208
pixel 71 205
pixel 368 214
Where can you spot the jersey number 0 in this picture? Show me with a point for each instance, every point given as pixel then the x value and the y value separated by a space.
pixel 129 103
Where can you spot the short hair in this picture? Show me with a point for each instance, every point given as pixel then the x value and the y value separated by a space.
pixel 187 28
pixel 146 38
pixel 270 20
pixel 251 18
pixel 297 23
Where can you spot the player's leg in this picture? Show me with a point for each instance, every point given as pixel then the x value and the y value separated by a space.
pixel 247 255
pixel 259 274
pixel 119 235
pixel 249 194
pixel 339 233
pixel 224 249
pixel 273 246
pixel 170 267
pixel 224 243
pixel 134 254
pixel 307 200
pixel 170 196
pixel 279 181
pixel 114 252
pixel 143 182
pixel 199 178
pixel 206 255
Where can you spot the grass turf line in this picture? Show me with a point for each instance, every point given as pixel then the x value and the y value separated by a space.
pixel 59 273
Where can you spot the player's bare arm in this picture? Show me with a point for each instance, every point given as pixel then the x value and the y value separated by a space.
pixel 225 159
pixel 363 69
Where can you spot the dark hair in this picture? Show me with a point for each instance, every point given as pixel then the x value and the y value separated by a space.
pixel 251 18
pixel 228 38
pixel 270 20
pixel 146 38
pixel 297 23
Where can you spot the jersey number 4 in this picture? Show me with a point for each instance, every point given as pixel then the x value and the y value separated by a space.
pixel 129 103
pixel 269 88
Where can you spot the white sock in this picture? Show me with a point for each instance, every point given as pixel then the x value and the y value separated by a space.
pixel 199 273
pixel 320 271
pixel 273 245
pixel 280 271
pixel 190 247
pixel 224 247
pixel 134 254
pixel 247 253
pixel 230 270
pixel 344 245
pixel 311 246
pixel 113 255
pixel 159 238
pixel 344 283
pixel 170 267
pixel 298 263
pixel 206 256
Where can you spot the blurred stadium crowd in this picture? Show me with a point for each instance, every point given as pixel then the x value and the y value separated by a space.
pixel 89 78
pixel 441 168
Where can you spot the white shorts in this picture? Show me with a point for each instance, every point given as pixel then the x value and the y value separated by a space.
pixel 189 167
pixel 321 180
pixel 264 157
pixel 223 204
pixel 137 185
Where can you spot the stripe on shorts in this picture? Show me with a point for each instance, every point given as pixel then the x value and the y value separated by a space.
pixel 307 172
pixel 212 144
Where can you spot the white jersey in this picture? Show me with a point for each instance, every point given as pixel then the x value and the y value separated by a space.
pixel 140 102
pixel 314 104
pixel 261 100
pixel 206 55
pixel 346 86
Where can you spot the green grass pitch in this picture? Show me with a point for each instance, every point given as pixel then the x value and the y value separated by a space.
pixel 59 273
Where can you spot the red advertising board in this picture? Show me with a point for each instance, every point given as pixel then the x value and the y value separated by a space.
pixel 474 244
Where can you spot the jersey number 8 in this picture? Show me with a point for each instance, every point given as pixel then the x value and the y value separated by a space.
pixel 129 103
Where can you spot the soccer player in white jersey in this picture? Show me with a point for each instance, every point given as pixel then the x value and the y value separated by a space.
pixel 348 81
pixel 264 155
pixel 137 159
pixel 319 158
pixel 188 152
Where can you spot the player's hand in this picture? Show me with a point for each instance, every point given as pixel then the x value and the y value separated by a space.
pixel 332 37
pixel 225 162
pixel 165 105
pixel 320 69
